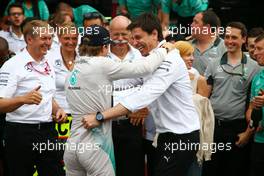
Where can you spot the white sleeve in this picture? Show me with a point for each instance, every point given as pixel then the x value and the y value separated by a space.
pixel 8 80
pixel 137 67
pixel 154 87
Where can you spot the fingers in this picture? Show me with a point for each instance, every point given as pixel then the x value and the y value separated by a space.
pixel 37 88
pixel 61 116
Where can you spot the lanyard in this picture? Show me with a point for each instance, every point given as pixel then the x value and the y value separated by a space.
pixel 46 69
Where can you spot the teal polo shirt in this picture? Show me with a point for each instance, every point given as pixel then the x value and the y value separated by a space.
pixel 79 12
pixel 137 7
pixel 230 84
pixel 187 8
pixel 257 84
pixel 214 50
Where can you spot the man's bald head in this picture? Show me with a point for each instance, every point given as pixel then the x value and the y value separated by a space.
pixel 119 22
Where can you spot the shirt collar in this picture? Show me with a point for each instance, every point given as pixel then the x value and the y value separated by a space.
pixel 224 59
pixel 116 58
pixel 13 35
pixel 28 58
pixel 214 44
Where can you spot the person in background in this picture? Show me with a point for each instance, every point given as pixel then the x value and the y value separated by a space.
pixel 32 8
pixel 77 14
pixel 91 18
pixel 257 103
pixel 185 10
pixel 134 8
pixel 207 45
pixel 252 35
pixel 229 78
pixel 14 35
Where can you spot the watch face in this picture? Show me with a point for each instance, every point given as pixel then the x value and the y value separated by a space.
pixel 99 117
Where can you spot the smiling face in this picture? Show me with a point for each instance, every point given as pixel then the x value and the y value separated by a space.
pixel 233 40
pixel 68 41
pixel 251 46
pixel 39 44
pixel 143 41
pixel 259 52
pixel 188 59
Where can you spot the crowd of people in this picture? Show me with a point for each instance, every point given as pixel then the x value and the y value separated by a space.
pixel 142 98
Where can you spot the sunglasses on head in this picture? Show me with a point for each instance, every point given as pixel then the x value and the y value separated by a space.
pixel 92 15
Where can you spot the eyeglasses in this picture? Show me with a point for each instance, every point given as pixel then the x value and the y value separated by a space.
pixel 92 15
pixel 16 14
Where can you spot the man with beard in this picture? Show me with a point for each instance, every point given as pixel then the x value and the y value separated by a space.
pixel 127 138
pixel 14 36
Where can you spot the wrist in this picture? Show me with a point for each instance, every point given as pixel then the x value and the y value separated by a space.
pixel 99 117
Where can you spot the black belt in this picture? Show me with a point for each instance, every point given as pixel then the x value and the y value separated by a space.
pixel 44 125
pixel 121 122
pixel 229 122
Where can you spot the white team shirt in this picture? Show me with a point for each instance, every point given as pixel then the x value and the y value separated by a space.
pixel 20 75
pixel 124 87
pixel 15 43
pixel 168 94
pixel 61 73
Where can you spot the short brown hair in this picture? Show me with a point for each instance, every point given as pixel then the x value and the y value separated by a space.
pixel 240 26
pixel 33 28
pixel 86 50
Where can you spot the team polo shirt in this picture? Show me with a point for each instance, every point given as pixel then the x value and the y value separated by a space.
pixel 137 7
pixel 61 73
pixel 257 84
pixel 187 8
pixel 230 86
pixel 15 43
pixel 20 75
pixel 215 50
pixel 168 95
pixel 79 12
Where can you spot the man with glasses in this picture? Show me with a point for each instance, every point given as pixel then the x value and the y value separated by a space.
pixel 228 80
pixel 14 36
pixel 92 18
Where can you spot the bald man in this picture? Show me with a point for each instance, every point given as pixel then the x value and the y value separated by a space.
pixel 127 138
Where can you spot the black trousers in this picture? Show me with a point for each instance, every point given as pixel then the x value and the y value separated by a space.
pixel 150 152
pixel 27 145
pixel 229 159
pixel 257 159
pixel 176 153
pixel 128 148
